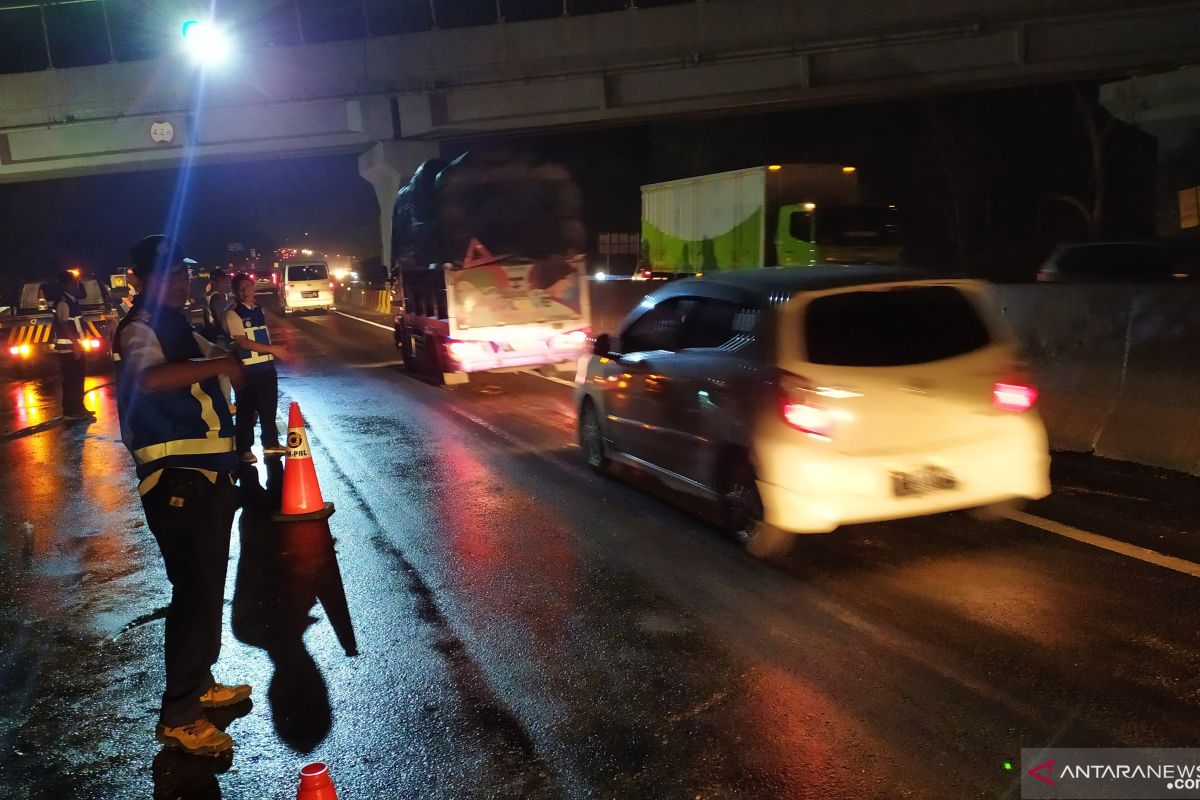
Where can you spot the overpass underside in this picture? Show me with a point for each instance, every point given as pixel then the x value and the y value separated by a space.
pixel 708 57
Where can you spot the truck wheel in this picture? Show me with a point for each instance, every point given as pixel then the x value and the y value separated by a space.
pixel 404 345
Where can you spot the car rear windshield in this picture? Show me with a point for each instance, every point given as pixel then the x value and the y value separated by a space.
pixel 307 272
pixel 893 327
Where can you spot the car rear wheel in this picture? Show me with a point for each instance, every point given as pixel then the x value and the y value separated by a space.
pixel 744 514
pixel 591 438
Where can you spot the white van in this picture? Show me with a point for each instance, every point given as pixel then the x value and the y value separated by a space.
pixel 305 286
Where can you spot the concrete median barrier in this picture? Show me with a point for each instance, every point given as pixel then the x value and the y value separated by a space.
pixel 1074 338
pixel 1157 417
pixel 379 300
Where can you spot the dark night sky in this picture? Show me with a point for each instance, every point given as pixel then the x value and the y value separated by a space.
pixel 93 220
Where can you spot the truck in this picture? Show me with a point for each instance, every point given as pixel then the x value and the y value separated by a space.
pixel 487 267
pixel 27 331
pixel 765 216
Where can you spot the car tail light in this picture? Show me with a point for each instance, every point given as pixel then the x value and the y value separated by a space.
pixel 462 350
pixel 570 340
pixel 802 410
pixel 275 278
pixel 1013 396
pixel 331 286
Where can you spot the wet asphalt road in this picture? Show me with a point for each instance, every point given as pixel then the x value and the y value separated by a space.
pixel 525 629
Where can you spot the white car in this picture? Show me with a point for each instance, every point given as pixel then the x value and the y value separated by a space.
pixel 305 286
pixel 806 398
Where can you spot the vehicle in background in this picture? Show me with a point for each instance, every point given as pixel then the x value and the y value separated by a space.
pixel 798 400
pixel 266 279
pixel 777 215
pixel 1122 262
pixel 458 308
pixel 305 286
pixel 28 331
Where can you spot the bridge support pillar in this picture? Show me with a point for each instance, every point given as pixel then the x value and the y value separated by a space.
pixel 387 166
pixel 1166 106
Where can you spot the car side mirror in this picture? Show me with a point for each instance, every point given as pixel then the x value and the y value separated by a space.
pixel 602 345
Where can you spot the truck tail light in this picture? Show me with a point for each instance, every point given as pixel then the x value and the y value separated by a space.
pixel 462 350
pixel 802 409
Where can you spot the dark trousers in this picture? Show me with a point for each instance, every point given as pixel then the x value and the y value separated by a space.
pixel 72 383
pixel 191 518
pixel 256 400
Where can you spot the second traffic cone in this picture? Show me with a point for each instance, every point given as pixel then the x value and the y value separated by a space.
pixel 301 492
pixel 315 783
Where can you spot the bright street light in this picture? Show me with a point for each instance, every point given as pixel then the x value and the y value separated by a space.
pixel 206 43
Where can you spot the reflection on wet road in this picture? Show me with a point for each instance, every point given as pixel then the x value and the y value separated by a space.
pixel 483 617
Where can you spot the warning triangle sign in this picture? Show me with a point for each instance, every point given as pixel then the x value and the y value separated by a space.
pixel 476 254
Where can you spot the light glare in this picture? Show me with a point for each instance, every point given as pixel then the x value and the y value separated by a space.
pixel 205 43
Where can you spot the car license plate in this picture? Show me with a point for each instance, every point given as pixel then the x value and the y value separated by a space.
pixel 308 294
pixel 922 481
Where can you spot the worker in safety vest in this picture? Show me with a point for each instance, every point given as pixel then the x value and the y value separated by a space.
pixel 176 423
pixel 258 395
pixel 216 304
pixel 68 345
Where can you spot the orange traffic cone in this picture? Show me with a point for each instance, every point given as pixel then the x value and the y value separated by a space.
pixel 301 492
pixel 315 783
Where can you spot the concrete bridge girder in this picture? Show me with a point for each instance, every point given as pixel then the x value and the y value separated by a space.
pixel 630 66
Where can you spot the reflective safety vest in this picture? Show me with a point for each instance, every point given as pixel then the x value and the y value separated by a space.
pixel 254 325
pixel 70 331
pixel 190 427
pixel 135 304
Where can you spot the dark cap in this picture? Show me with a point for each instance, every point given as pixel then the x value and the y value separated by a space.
pixel 216 274
pixel 156 254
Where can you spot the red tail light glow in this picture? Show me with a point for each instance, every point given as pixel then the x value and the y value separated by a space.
pixel 1015 397
pixel 14 350
pixel 275 278
pixel 801 408
pixel 460 350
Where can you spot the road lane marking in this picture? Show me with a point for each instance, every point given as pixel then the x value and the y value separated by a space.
pixel 551 378
pixel 378 364
pixel 367 321
pixel 1105 543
